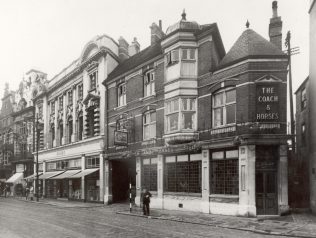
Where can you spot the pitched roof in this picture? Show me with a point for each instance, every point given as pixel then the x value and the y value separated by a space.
pixel 250 44
pixel 143 56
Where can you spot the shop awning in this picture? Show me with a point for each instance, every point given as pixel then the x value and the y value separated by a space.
pixel 33 176
pixel 67 174
pixel 48 175
pixel 15 178
pixel 84 173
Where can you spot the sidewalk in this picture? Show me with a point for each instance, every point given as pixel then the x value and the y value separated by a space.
pixel 295 225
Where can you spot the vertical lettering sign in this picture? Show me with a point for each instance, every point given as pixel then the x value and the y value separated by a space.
pixel 267 103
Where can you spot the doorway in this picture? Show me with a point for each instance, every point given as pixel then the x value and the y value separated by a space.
pixel 123 172
pixel 266 180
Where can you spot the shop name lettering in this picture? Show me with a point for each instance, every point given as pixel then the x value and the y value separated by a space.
pixel 268 98
pixel 169 149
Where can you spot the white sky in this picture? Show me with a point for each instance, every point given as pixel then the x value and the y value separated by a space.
pixel 49 35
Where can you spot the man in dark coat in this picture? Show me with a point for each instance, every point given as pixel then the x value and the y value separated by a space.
pixel 146 201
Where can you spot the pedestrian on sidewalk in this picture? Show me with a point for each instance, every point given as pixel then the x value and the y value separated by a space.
pixel 27 191
pixel 146 202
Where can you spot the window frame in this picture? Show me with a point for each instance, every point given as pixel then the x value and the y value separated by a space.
pixel 149 124
pixel 189 52
pixel 173 57
pixel 149 83
pixel 152 166
pixel 93 80
pixel 70 97
pixel 303 99
pixel 121 95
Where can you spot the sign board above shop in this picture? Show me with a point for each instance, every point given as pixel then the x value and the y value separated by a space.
pixel 120 138
pixel 267 102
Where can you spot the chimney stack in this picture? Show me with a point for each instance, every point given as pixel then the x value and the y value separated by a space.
pixel 123 49
pixel 275 27
pixel 134 47
pixel 156 33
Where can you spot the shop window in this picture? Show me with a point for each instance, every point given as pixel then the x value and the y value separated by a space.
pixel 80 92
pixel 92 162
pixel 183 173
pixel 121 92
pixel 93 80
pixel 303 128
pixel 70 129
pixel 149 174
pixel 149 125
pixel 188 54
pixel 149 84
pixel 181 114
pixel 70 97
pixel 224 178
pixel 303 99
pixel 224 108
pixel 172 57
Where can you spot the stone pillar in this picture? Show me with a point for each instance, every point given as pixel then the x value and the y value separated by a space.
pixel 205 181
pixel 247 183
pixel 107 182
pixel 160 169
pixel 83 167
pixel 283 180
pixel 138 181
pixel 101 178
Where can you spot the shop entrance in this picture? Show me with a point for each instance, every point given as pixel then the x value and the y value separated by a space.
pixel 266 180
pixel 123 171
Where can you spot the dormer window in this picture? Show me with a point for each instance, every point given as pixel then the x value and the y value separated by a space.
pixel 121 100
pixel 93 80
pixel 173 57
pixel 149 84
pixel 188 54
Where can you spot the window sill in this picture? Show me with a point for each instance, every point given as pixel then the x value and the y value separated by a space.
pixel 223 196
pixel 147 97
pixel 182 194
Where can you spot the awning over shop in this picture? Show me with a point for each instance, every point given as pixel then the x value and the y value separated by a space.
pixel 67 174
pixel 48 175
pixel 84 173
pixel 33 176
pixel 15 178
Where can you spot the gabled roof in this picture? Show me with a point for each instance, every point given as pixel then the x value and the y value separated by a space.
pixel 250 45
pixel 303 84
pixel 143 56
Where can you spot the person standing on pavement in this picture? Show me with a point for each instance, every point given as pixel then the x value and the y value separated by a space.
pixel 146 202
pixel 27 191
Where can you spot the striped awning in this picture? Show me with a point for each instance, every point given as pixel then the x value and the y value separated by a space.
pixel 66 174
pixel 49 175
pixel 84 173
pixel 15 178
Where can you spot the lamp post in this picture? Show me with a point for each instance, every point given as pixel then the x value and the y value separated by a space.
pixel 37 145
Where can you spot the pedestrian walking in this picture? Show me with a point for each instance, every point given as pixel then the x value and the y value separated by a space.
pixel 27 191
pixel 146 202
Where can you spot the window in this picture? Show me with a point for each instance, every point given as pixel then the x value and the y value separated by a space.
pixel 93 80
pixel 74 163
pixel 149 120
pixel 40 167
pixel 80 126
pixel 303 99
pixel 181 114
pixel 172 57
pixel 40 111
pixel 121 95
pixel 90 119
pixel 51 166
pixel 61 132
pixel 188 54
pixel 224 108
pixel 52 107
pixel 224 178
pixel 93 162
pixel 70 98
pixel 183 173
pixel 149 174
pixel 80 92
pixel 62 165
pixel 70 129
pixel 149 84
pixel 61 103
pixel 303 134
pixel 7 155
pixel 52 131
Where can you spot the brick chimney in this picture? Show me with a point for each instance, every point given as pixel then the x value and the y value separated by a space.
pixel 275 27
pixel 134 47
pixel 156 32
pixel 123 49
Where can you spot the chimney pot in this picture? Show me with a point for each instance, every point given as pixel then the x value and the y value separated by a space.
pixel 274 9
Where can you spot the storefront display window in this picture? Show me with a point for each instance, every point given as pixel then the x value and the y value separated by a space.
pixel 149 174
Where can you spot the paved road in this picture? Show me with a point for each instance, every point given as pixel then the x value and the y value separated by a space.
pixel 19 219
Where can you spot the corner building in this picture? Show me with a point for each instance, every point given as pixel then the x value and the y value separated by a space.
pixel 202 129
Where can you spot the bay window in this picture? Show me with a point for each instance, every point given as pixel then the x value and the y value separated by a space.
pixel 149 84
pixel 149 125
pixel 224 108
pixel 181 114
pixel 188 54
pixel 172 57
pixel 121 100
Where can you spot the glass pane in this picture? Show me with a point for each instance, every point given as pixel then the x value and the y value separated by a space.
pixel 218 99
pixel 153 117
pixel 218 117
pixel 231 114
pixel 152 133
pixel 188 120
pixel 231 154
pixel 231 96
pixel 184 54
pixel 218 155
pixel 184 104
pixel 192 104
pixel 175 105
pixel 173 122
pixel 146 132
pixel 192 54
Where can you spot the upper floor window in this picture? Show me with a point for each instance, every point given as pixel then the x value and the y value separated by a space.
pixel 61 102
pixel 172 57
pixel 121 101
pixel 93 80
pixel 52 107
pixel 149 120
pixel 303 99
pixel 188 54
pixel 7 155
pixel 224 108
pixel 93 162
pixel 149 84
pixel 180 114
pixel 74 163
pixel 51 166
pixel 303 134
pixel 70 98
pixel 40 111
pixel 80 92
